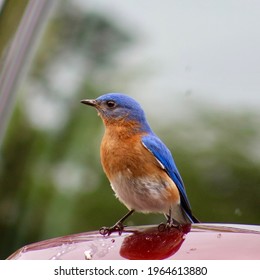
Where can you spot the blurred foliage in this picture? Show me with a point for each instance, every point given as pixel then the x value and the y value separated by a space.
pixel 218 156
pixel 51 180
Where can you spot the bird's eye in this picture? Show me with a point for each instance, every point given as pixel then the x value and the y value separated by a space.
pixel 111 104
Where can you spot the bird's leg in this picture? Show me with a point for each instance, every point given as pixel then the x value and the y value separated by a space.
pixel 119 226
pixel 169 224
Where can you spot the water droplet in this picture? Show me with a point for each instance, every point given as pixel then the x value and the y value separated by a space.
pixel 88 254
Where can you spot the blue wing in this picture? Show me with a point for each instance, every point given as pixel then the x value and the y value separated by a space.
pixel 164 156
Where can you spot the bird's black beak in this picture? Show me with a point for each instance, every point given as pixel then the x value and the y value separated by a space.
pixel 90 102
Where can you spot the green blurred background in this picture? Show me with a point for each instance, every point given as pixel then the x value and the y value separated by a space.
pixel 51 179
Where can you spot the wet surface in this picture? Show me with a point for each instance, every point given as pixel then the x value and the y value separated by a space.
pixel 201 241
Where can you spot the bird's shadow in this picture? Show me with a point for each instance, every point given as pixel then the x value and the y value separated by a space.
pixel 152 244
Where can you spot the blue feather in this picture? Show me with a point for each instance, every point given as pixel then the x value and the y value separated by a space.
pixel 164 156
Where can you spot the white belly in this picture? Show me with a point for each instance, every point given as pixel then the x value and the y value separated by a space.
pixel 141 194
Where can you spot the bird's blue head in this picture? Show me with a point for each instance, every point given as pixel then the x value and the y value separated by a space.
pixel 117 108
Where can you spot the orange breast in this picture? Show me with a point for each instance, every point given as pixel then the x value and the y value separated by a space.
pixel 122 153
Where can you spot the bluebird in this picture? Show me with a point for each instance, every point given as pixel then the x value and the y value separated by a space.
pixel 139 166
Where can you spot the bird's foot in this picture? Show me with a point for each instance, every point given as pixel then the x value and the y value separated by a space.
pixel 167 226
pixel 106 231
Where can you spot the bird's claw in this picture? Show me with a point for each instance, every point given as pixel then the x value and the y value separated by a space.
pixel 106 231
pixel 166 226
pixel 161 227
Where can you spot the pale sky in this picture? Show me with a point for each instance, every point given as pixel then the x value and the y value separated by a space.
pixel 195 51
